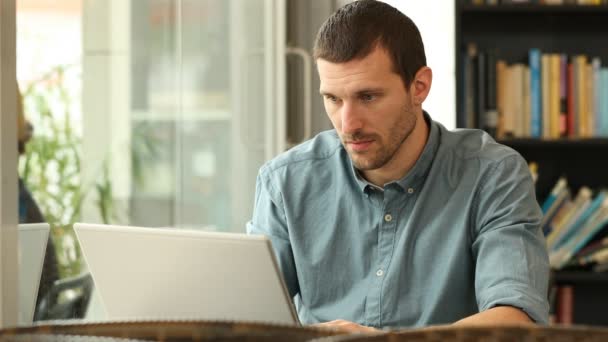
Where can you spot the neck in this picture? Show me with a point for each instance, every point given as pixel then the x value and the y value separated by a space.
pixel 405 157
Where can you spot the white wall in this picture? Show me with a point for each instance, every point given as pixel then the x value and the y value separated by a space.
pixel 435 20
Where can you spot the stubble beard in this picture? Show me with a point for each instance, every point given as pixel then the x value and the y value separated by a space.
pixel 399 133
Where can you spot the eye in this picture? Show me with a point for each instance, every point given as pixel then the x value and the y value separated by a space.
pixel 367 97
pixel 331 98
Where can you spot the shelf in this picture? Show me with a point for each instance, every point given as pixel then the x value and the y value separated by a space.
pixel 509 31
pixel 581 277
pixel 535 9
pixel 555 143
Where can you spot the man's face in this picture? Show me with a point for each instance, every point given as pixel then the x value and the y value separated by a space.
pixel 368 106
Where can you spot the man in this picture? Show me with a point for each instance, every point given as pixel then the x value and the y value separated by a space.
pixel 390 219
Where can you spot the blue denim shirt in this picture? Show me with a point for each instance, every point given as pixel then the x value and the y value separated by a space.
pixel 459 234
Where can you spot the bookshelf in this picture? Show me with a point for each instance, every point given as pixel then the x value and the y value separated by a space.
pixel 579 159
pixel 510 31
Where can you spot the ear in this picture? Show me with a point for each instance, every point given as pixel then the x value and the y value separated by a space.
pixel 421 85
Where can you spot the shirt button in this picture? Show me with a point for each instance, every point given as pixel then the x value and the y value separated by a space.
pixel 410 190
pixel 379 273
pixel 388 218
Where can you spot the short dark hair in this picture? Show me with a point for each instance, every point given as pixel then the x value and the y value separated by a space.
pixel 357 28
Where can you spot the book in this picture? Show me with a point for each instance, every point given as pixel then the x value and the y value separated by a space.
pixel 579 205
pixel 471 86
pixel 554 220
pixel 599 256
pixel 589 123
pixel 480 105
pixel 580 69
pixel 570 122
pixel 518 79
pixel 603 99
pixel 576 116
pixel 501 96
pixel 561 184
pixel 490 121
pixel 579 223
pixel 591 226
pixel 596 112
pixel 592 248
pixel 510 102
pixel 554 96
pixel 563 94
pixel 546 96
pixel 565 305
pixel 525 104
pixel 536 104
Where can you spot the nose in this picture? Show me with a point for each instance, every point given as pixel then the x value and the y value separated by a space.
pixel 351 119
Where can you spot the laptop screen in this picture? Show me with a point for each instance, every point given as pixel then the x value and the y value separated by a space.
pixel 32 247
pixel 154 273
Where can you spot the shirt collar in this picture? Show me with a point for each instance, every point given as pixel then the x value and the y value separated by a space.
pixel 418 173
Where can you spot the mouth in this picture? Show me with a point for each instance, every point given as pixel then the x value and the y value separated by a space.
pixel 360 145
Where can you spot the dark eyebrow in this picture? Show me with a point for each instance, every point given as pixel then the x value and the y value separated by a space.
pixel 359 93
pixel 369 91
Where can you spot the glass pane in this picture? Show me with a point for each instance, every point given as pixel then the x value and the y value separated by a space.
pixel 146 113
pixel 198 111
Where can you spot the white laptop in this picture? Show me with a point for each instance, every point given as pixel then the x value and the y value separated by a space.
pixel 32 247
pixel 160 273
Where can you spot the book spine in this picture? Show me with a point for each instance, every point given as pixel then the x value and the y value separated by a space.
pixel 525 103
pixel 517 112
pixel 597 124
pixel 563 94
pixel 592 248
pixel 557 188
pixel 546 106
pixel 579 205
pixel 501 84
pixel 510 92
pixel 590 104
pixel 491 113
pixel 470 102
pixel 554 96
pixel 579 223
pixel 480 107
pixel 576 116
pixel 594 226
pixel 553 217
pixel 565 305
pixel 582 96
pixel 535 93
pixel 570 100
pixel 604 101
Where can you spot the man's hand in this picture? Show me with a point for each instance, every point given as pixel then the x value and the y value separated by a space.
pixel 347 326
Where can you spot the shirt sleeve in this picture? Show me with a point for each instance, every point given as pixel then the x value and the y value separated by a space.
pixel 512 264
pixel 269 220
